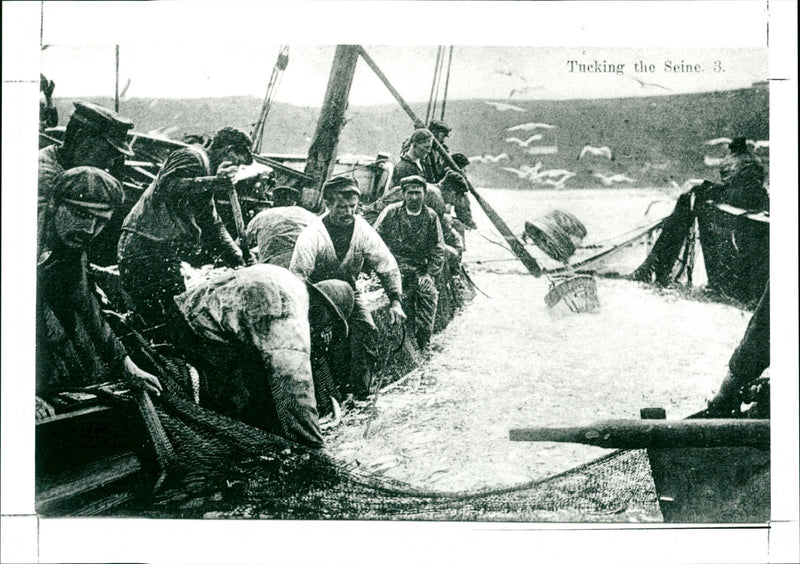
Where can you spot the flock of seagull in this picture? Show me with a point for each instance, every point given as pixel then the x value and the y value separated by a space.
pixel 558 177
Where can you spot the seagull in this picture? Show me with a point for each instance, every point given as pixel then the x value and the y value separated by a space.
pixel 611 179
pixel 644 84
pixel 553 173
pixel 525 143
pixel 531 126
pixel 717 141
pixel 712 161
pixel 520 173
pixel 524 90
pixel 532 170
pixel 557 183
pixel 595 151
pixel 501 107
pixel 756 145
pixel 489 158
pixel 509 73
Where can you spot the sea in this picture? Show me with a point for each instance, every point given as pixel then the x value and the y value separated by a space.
pixel 509 361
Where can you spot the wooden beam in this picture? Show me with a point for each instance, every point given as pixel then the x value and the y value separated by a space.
pixel 655 433
pixel 322 153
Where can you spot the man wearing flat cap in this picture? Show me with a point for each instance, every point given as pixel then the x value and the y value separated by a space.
pixel 275 230
pixel 342 245
pixel 413 233
pixel 95 136
pixel 742 174
pixel 175 219
pixel 75 346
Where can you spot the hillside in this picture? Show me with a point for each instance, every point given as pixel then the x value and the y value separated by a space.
pixel 654 140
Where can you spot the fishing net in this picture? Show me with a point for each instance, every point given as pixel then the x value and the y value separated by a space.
pixel 221 467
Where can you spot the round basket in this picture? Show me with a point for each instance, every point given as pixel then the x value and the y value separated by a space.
pixel 556 233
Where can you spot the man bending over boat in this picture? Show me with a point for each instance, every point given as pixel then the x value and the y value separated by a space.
pixel 175 218
pixel 342 245
pixel 75 346
pixel 275 230
pixel 413 234
pixel 257 336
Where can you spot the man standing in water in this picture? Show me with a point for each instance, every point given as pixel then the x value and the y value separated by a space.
pixel 342 245
pixel 413 234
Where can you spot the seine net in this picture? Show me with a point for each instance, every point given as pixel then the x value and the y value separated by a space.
pixel 225 467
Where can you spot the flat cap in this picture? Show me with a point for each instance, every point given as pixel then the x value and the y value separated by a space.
pixel 438 125
pixel 109 124
pixel 340 185
pixel 413 180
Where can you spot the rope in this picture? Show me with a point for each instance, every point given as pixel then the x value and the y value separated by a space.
pixel 436 72
pixel 447 81
pixel 277 73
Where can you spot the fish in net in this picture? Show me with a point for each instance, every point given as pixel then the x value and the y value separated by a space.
pixel 223 467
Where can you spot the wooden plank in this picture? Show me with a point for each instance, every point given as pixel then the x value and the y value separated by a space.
pixel 635 433
pixel 84 479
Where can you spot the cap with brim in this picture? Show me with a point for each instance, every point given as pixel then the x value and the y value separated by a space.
pixel 338 295
pixel 414 180
pixel 112 126
pixel 437 125
pixel 340 185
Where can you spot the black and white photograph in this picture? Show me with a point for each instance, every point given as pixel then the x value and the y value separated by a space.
pixel 311 287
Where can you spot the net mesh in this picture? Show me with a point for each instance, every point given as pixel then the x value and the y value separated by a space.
pixel 223 467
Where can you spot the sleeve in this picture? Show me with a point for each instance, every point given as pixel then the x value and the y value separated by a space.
pixel 215 235
pixel 380 259
pixel 286 347
pixel 435 246
pixel 106 343
pixel 304 256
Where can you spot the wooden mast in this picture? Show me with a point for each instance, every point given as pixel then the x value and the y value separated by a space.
pixel 322 154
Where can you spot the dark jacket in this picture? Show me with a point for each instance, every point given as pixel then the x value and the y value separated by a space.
pixel 415 241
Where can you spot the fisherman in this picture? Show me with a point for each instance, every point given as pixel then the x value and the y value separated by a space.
pixel 454 190
pixel 414 235
pixel 275 230
pixel 413 161
pixel 251 333
pixel 342 245
pixel 95 136
pixel 175 218
pixel 436 162
pixel 742 174
pixel 75 346
pixel 453 239
pixel 747 363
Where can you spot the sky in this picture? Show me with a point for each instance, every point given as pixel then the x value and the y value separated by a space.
pixel 502 50
pixel 495 72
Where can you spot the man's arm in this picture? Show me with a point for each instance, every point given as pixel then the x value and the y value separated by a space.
pixel 435 244
pixel 304 256
pixel 215 235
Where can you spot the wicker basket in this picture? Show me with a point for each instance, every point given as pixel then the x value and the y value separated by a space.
pixel 579 293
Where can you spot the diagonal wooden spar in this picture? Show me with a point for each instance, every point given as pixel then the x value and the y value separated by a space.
pixel 518 248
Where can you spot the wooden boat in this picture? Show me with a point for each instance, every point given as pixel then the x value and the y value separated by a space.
pixel 105 447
